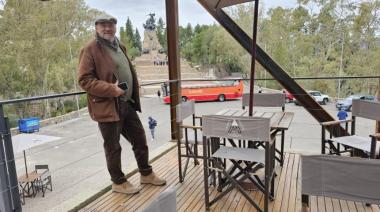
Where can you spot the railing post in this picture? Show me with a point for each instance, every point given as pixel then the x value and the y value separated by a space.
pixel 174 62
pixel 9 194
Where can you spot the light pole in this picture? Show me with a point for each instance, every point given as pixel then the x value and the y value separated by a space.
pixel 341 63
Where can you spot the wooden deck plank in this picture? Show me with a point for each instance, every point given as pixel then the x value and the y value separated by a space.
pixel 313 204
pixel 286 193
pixel 293 184
pixel 343 205
pixel 189 189
pixel 367 208
pixel 329 205
pixel 336 205
pixel 321 204
pixel 115 198
pixel 299 188
pixel 185 188
pixel 190 193
pixel 280 191
pixel 160 169
pixel 375 208
pixel 359 207
pixel 194 196
pixel 170 175
pixel 351 206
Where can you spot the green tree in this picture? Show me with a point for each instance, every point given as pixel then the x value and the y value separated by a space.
pixel 40 44
pixel 130 40
pixel 161 33
pixel 138 40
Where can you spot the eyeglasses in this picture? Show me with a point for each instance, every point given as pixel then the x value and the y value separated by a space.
pixel 106 25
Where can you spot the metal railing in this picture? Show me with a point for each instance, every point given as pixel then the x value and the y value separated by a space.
pixel 9 190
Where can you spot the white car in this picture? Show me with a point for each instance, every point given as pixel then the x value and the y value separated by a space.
pixel 318 96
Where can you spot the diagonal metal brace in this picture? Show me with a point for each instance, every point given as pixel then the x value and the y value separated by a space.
pixel 320 114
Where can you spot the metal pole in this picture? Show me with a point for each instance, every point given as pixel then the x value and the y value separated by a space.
pixel 74 78
pixel 253 58
pixel 378 99
pixel 26 166
pixel 9 200
pixel 11 166
pixel 174 65
pixel 341 66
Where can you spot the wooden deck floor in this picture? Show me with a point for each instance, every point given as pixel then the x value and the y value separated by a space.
pixel 190 194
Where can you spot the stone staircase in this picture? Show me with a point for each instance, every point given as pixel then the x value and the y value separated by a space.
pixel 147 72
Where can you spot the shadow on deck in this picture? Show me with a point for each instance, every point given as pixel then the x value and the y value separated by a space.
pixel 190 194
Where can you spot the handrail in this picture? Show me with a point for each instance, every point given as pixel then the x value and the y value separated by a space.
pixel 28 99
pixel 12 101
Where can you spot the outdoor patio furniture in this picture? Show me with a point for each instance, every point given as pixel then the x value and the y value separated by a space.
pixel 354 144
pixel 216 157
pixel 28 183
pixel 268 100
pixel 346 178
pixel 190 141
pixel 44 182
pixel 22 194
pixel 164 202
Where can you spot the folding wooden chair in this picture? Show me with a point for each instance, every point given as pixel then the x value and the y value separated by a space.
pixel 354 144
pixel 217 157
pixel 269 100
pixel 346 178
pixel 190 141
pixel 44 182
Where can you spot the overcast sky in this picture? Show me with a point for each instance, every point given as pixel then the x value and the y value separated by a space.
pixel 190 11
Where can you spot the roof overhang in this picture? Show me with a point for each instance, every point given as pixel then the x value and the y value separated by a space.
pixel 218 4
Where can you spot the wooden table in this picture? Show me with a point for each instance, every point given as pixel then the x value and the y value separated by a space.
pixel 279 122
pixel 28 183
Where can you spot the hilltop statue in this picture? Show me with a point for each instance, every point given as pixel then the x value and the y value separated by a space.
pixel 150 24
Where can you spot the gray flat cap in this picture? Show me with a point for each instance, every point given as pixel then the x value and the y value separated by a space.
pixel 102 18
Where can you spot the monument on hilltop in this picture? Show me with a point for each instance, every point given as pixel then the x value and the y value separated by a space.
pixel 150 24
pixel 150 42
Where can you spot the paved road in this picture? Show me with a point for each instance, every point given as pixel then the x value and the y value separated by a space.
pixel 77 160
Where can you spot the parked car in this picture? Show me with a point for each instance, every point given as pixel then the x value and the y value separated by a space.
pixel 346 103
pixel 288 96
pixel 318 97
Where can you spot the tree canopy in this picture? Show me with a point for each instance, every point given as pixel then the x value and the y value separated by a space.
pixel 316 38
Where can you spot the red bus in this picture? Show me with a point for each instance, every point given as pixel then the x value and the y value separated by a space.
pixel 207 91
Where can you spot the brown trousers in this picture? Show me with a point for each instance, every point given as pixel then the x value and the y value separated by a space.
pixel 131 128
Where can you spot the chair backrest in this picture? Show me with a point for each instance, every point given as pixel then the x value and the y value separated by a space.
pixel 41 167
pixel 366 109
pixel 265 100
pixel 164 202
pixel 184 110
pixel 348 178
pixel 245 128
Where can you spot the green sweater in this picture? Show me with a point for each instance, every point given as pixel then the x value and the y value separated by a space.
pixel 123 70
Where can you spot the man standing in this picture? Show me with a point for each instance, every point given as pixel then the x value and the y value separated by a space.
pixel 342 115
pixel 108 77
pixel 152 125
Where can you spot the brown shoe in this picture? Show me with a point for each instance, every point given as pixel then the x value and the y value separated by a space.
pixel 152 179
pixel 125 188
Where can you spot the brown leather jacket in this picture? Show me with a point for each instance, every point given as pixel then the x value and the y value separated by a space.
pixel 96 77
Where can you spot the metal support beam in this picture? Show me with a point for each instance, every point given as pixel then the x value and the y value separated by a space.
pixel 5 194
pixel 378 99
pixel 174 62
pixel 9 196
pixel 11 166
pixel 270 65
